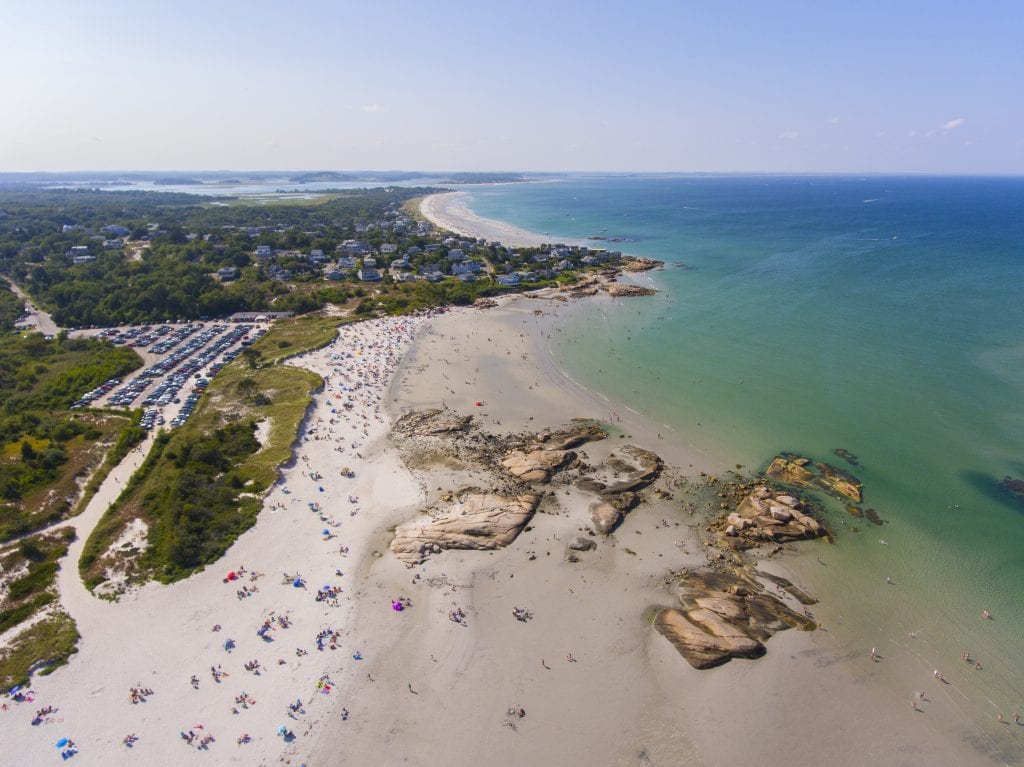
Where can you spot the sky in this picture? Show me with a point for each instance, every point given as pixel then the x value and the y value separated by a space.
pixel 532 85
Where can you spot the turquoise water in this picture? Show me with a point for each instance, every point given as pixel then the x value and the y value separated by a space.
pixel 880 315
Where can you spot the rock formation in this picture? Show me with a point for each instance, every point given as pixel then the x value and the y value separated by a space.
pixel 724 616
pixel 480 521
pixel 803 472
pixel 627 291
pixel 765 516
pixel 432 421
pixel 536 465
pixel 608 512
pixel 637 264
pixel 629 468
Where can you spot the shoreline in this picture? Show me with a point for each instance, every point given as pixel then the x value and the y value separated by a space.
pixel 448 210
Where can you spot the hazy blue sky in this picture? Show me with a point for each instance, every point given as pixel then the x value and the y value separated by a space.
pixel 550 85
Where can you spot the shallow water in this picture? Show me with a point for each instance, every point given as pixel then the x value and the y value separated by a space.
pixel 879 315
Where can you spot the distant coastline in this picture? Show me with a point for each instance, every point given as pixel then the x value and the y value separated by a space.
pixel 448 210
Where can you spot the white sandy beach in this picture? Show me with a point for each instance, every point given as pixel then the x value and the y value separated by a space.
pixel 448 211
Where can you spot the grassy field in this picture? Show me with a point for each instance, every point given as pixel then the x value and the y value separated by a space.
pixel 201 486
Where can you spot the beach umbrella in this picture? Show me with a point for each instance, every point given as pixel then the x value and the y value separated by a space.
pixel 61 743
pixel 297 583
pixel 326 531
pixel 282 730
pixel 15 690
pixel 232 575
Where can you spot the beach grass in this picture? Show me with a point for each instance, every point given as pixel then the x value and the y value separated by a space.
pixel 296 335
pixel 42 648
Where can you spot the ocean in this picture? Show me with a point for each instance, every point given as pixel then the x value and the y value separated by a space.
pixel 883 316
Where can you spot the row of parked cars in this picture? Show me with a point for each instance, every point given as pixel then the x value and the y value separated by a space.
pixel 91 396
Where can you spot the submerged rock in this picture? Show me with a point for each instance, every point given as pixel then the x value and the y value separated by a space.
pixel 480 521
pixel 802 472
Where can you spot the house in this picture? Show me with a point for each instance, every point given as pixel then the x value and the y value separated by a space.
pixel 406 277
pixel 227 273
pixel 347 262
pixel 264 251
pixel 335 274
pixel 400 264
pixel 370 262
pixel 112 244
pixel 354 247
pixel 115 230
pixel 456 255
pixel 467 267
pixel 412 251
pixel 589 261
pixel 432 248
pixel 369 274
pixel 83 259
pixel 509 280
pixel 317 257
pixel 527 276
pixel 467 277
pixel 387 248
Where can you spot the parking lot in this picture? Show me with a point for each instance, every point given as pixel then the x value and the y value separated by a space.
pixel 180 362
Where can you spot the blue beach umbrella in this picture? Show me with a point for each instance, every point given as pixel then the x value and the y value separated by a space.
pixel 297 583
pixel 61 743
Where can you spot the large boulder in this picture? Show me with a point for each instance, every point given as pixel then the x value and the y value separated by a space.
pixel 566 439
pixel 431 422
pixel 700 648
pixel 765 516
pixel 726 615
pixel 480 521
pixel 608 512
pixel 628 468
pixel 536 465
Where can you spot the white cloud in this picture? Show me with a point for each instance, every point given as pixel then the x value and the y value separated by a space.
pixel 954 123
pixel 911 133
pixel 789 135
pixel 372 108
pixel 834 121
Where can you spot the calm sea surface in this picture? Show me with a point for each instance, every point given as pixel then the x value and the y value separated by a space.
pixel 881 315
